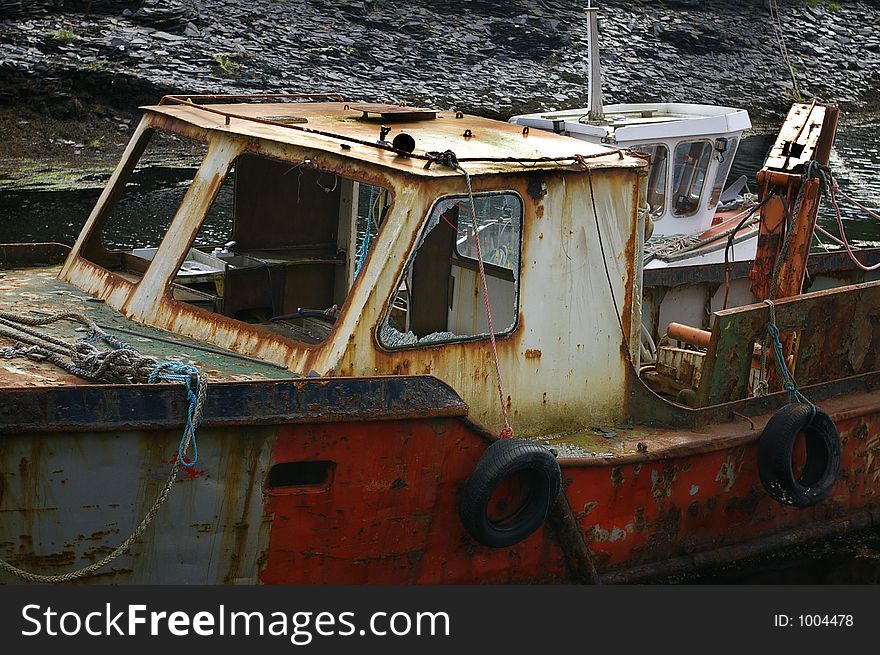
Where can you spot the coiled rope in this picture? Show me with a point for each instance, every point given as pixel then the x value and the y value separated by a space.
pixel 449 159
pixel 120 365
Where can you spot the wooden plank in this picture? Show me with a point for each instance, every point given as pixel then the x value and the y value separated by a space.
pixel 838 332
pixel 798 138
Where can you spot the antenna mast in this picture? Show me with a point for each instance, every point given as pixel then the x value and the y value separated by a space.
pixel 595 69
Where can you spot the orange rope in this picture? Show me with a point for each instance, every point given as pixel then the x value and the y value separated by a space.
pixel 448 158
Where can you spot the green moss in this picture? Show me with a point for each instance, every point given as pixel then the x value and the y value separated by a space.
pixel 226 62
pixel 64 36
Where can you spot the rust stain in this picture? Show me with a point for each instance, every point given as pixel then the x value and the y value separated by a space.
pixel 533 353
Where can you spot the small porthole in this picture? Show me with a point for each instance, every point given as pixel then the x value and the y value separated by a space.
pixel 293 477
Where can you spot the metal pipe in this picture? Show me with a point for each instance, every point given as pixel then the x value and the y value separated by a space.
pixel 688 334
pixel 596 113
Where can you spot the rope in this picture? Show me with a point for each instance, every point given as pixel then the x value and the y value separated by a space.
pixel 728 247
pixel 604 260
pixel 86 361
pixel 783 50
pixel 835 189
pixel 449 159
pixel 788 381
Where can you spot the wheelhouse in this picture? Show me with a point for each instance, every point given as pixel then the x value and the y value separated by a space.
pixel 329 238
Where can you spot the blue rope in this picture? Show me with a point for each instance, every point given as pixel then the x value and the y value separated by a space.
pixel 365 245
pixel 363 253
pixel 174 371
pixel 788 382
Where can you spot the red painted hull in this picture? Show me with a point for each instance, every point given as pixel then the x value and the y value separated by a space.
pixel 390 514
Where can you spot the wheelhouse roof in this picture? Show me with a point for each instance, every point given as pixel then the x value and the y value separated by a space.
pixel 482 145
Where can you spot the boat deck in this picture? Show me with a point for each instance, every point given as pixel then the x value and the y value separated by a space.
pixel 616 445
pixel 38 292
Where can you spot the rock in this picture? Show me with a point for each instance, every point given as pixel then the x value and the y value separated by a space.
pixel 166 15
pixel 10 8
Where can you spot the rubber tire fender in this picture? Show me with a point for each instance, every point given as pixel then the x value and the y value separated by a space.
pixel 775 447
pixel 498 462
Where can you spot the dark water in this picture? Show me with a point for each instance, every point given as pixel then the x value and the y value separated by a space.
pixel 41 213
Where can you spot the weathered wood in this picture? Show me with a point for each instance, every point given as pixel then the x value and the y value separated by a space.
pixel 826 349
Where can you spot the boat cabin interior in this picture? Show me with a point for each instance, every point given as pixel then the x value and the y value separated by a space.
pixel 283 241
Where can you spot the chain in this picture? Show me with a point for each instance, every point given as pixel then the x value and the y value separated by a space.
pixel 122 364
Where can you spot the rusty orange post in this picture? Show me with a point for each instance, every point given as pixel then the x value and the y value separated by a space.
pixel 779 268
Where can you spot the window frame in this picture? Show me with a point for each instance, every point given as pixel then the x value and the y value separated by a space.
pixel 517 277
pixel 665 207
pixel 725 164
pixel 673 195
pixel 168 279
pixel 93 242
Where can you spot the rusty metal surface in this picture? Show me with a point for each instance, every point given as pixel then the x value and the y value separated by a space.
pixel 841 348
pixel 787 222
pixel 104 408
pixel 800 135
pixel 705 505
pixel 328 123
pixel 390 512
pixel 66 500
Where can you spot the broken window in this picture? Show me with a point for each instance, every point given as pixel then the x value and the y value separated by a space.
pixel 143 202
pixel 440 297
pixel 281 246
pixel 690 164
pixel 725 161
pixel 657 175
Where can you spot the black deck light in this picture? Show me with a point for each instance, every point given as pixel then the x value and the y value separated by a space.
pixel 404 143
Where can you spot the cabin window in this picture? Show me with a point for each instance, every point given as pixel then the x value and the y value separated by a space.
pixel 281 246
pixel 725 161
pixel 440 298
pixel 143 203
pixel 690 164
pixel 657 175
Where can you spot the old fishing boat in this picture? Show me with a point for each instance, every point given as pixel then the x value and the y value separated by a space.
pixel 691 149
pixel 410 343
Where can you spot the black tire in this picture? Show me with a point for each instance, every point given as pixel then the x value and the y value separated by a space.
pixel 775 446
pixel 539 471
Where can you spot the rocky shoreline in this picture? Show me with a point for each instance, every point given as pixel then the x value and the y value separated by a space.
pixel 88 64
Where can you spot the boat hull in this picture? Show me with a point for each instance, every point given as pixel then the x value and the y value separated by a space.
pixel 379 505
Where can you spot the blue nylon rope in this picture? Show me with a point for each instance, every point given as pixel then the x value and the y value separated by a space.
pixel 365 245
pixel 173 371
pixel 788 382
